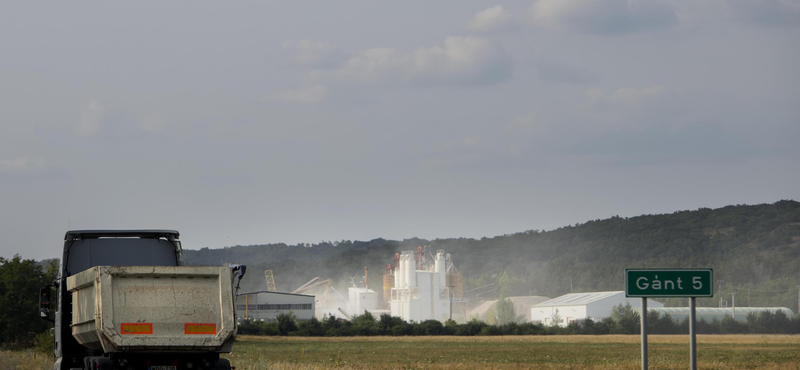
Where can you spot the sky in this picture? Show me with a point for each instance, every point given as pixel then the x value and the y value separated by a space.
pixel 254 122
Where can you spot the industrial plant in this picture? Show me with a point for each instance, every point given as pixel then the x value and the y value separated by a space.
pixel 423 286
pixel 420 285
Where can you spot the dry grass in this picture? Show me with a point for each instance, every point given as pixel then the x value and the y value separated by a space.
pixel 670 339
pixel 723 352
pixel 25 360
pixel 514 352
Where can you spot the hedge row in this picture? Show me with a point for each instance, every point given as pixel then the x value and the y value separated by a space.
pixel 625 323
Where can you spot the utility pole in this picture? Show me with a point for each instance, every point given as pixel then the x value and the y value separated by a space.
pixel 733 299
pixel 720 293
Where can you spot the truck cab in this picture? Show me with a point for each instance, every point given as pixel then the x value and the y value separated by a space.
pixel 92 258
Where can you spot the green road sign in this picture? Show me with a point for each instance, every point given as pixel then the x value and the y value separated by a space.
pixel 669 283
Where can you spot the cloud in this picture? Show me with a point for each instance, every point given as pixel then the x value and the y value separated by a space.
pixel 21 165
pixel 304 95
pixel 316 54
pixel 602 16
pixel 467 142
pixel 154 123
pixel 631 108
pixel 624 95
pixel 461 60
pixel 565 73
pixel 491 19
pixel 91 118
pixel 524 121
pixel 770 13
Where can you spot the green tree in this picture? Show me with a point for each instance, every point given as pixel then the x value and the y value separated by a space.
pixel 20 281
pixel 387 322
pixel 490 316
pixel 310 328
pixel 287 323
pixel 365 324
pixel 505 312
pixel 626 319
pixel 556 317
pixel 510 284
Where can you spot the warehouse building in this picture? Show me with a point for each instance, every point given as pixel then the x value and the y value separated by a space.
pixel 266 306
pixel 580 306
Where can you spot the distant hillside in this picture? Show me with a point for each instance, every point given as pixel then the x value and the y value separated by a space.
pixel 754 250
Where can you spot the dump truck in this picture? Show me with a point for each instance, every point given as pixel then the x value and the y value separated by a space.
pixel 125 301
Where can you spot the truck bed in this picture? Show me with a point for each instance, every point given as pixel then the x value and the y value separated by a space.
pixel 153 309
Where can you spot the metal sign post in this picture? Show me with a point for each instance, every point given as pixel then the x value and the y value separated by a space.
pixel 692 334
pixel 644 333
pixel 652 283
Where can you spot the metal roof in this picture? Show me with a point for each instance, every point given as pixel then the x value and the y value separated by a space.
pixel 266 291
pixel 578 299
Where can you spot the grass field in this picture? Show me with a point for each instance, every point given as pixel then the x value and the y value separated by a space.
pixel 531 352
pixel 461 353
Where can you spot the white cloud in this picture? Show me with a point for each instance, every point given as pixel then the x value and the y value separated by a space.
pixel 494 18
pixel 461 60
pixel 304 95
pixel 625 95
pixel 602 16
pixel 91 118
pixel 21 165
pixel 565 73
pixel 316 54
pixel 767 12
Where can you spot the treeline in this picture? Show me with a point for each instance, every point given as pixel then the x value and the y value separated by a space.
pixel 754 249
pixel 623 320
pixel 20 281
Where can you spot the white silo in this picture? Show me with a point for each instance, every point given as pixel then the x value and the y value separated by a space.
pixel 396 276
pixel 400 274
pixel 440 268
pixel 411 271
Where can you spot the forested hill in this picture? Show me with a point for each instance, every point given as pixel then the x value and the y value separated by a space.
pixel 754 250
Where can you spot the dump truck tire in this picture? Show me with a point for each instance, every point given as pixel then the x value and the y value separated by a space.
pixel 222 364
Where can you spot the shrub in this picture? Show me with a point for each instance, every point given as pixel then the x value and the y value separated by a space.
pixel 287 323
pixel 43 342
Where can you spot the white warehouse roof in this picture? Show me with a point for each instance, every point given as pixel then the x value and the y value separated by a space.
pixel 576 299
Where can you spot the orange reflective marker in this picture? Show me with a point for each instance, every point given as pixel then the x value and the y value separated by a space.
pixel 136 328
pixel 194 328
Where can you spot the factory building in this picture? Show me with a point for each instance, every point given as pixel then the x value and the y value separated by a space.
pixel 266 306
pixel 330 303
pixel 711 313
pixel 422 286
pixel 363 299
pixel 580 306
